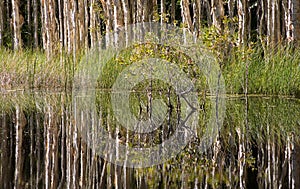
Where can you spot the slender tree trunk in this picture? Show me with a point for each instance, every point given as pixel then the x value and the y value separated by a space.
pixel 93 23
pixel 186 15
pixel 173 8
pixel 86 23
pixel 162 10
pixel 53 26
pixel 1 21
pixel 207 9
pixel 117 15
pixel 5 153
pixel 80 24
pixel 73 20
pixel 243 17
pixel 277 22
pixel 29 22
pixel 197 16
pixel 241 14
pixel 48 26
pixel 36 24
pixel 217 11
pixel 139 11
pixel 20 123
pixel 231 9
pixel 262 22
pixel 147 11
pixel 43 24
pixel 126 13
pixel 61 28
pixel 273 21
pixel 155 10
pixel 295 14
pixel 17 41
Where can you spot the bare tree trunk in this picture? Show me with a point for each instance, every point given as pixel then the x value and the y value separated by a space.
pixel 217 11
pixel 29 22
pixel 1 21
pixel 53 25
pixel 80 24
pixel 17 41
pixel 43 24
pixel 295 14
pixel 139 11
pixel 162 10
pixel 61 28
pixel 147 11
pixel 20 122
pixel 173 8
pixel 86 23
pixel 93 24
pixel 243 21
pixel 186 15
pixel 197 16
pixel 277 22
pixel 118 15
pixel 273 21
pixel 231 8
pixel 36 24
pixel 49 26
pixel 73 16
pixel 126 13
pixel 67 26
pixel 262 21
pixel 155 10
pixel 109 18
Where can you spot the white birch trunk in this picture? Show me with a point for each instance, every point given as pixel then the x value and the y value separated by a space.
pixel 17 41
pixel 163 11
pixel 126 19
pixel 241 17
pixel 92 24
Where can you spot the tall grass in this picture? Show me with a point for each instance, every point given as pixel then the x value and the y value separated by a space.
pixel 31 70
pixel 271 72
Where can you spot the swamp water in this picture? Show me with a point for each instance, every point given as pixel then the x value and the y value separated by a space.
pixel 41 147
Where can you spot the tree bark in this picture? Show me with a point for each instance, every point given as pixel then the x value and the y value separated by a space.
pixel 36 24
pixel 173 8
pixel 17 40
pixel 1 21
pixel 197 16
pixel 93 23
pixel 186 15
pixel 29 22
pixel 139 12
pixel 126 12
pixel 217 11
pixel 243 17
pixel 295 14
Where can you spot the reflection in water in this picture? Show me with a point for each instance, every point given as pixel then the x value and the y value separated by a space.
pixel 258 147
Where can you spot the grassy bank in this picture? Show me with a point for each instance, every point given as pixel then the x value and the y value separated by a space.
pixel 275 72
pixel 270 72
pixel 31 70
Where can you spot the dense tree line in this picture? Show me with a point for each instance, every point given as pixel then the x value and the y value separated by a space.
pixel 69 25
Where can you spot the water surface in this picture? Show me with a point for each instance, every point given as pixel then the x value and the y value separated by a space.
pixel 258 146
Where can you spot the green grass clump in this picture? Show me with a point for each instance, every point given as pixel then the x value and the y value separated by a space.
pixel 32 70
pixel 270 72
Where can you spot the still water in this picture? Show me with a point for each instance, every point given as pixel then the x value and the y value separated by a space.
pixel 258 146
